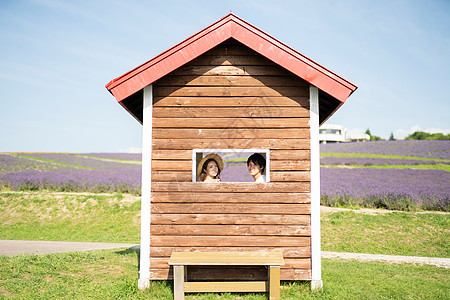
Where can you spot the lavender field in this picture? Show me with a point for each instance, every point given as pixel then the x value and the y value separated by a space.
pixel 371 161
pixel 345 181
pixel 354 182
pixel 70 172
pixel 415 148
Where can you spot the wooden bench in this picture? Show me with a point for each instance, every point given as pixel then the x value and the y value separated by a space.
pixel 180 261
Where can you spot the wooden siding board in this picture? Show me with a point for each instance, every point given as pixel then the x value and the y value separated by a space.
pixel 230 219
pixel 229 230
pixel 171 176
pixel 287 155
pixel 236 143
pixel 186 176
pixel 170 154
pixel 171 165
pixel 229 241
pixel 226 187
pixel 229 91
pixel 230 208
pixel 201 123
pixel 290 176
pixel 253 101
pixel 289 165
pixel 244 133
pixel 230 112
pixel 232 80
pixel 225 197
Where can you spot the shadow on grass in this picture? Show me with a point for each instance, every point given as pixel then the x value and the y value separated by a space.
pixel 135 249
pixel 132 250
pixel 154 284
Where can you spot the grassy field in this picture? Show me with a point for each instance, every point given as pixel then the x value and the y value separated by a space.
pixel 116 218
pixel 112 274
pixel 70 217
pixel 392 233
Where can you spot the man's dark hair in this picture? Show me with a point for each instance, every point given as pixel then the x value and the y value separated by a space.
pixel 257 159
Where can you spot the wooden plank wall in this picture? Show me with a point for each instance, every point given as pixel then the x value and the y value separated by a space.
pixel 231 98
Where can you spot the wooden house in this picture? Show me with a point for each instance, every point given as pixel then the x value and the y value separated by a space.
pixel 230 86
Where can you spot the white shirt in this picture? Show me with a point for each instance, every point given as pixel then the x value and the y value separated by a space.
pixel 261 179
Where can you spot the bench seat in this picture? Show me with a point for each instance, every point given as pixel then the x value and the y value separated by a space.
pixel 272 260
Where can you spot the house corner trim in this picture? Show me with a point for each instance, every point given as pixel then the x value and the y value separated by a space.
pixel 316 265
pixel 144 267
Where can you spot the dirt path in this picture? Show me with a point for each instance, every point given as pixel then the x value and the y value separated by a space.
pixel 12 247
pixel 397 259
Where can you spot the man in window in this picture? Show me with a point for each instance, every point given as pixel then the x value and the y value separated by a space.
pixel 256 165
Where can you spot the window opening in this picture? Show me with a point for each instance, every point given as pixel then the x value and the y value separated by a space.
pixel 234 163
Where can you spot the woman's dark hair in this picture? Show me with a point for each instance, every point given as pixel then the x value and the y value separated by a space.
pixel 257 159
pixel 205 165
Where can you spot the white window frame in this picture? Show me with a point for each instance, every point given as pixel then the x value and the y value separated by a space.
pixel 197 155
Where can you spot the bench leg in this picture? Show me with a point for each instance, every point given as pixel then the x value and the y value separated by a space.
pixel 178 282
pixel 274 282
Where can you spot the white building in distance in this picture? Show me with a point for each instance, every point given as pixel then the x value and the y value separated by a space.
pixel 333 133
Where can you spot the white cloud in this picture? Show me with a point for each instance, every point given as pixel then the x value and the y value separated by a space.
pixel 437 130
pixel 356 131
pixel 402 133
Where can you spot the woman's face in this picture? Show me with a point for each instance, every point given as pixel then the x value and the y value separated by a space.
pixel 212 169
pixel 254 169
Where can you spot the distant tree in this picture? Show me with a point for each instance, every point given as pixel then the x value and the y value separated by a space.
pixel 391 137
pixel 373 137
pixel 441 136
pixel 376 138
pixel 421 135
pixel 418 135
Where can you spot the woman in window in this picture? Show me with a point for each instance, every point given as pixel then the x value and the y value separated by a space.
pixel 209 168
pixel 256 164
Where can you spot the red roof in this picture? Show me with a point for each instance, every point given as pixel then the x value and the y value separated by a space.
pixel 231 26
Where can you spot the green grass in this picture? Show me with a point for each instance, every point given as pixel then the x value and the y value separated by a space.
pixel 443 167
pixel 395 233
pixel 113 274
pixel 53 162
pixel 69 217
pixel 111 159
pixel 372 155
pixel 438 166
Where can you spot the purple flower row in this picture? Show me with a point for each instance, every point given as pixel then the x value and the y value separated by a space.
pixel 366 161
pixel 74 159
pixel 389 188
pixel 121 156
pixel 432 149
pixel 11 163
pixel 236 172
pixel 78 180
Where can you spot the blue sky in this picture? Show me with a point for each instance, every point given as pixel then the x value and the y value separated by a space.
pixel 57 56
